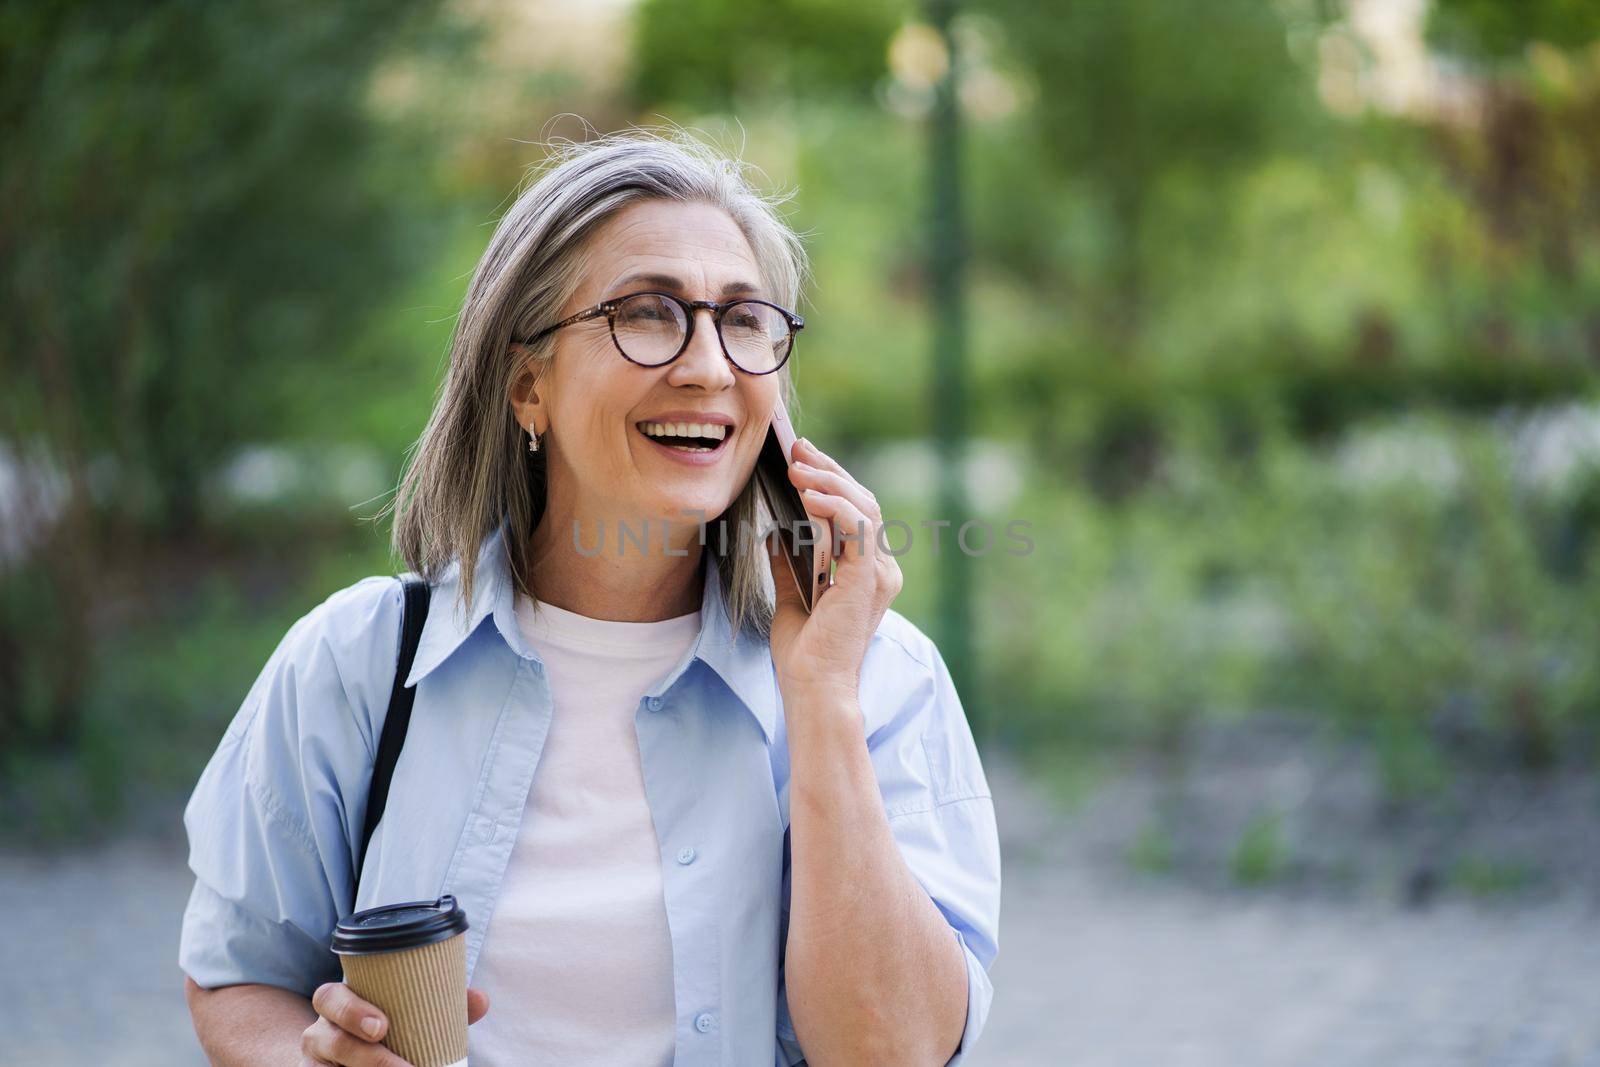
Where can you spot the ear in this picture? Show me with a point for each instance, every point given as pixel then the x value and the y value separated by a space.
pixel 527 403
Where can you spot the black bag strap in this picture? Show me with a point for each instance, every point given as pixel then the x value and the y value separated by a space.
pixel 398 719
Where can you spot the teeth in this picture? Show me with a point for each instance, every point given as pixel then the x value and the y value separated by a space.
pixel 715 431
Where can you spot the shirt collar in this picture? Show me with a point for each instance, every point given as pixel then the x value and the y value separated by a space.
pixel 743 661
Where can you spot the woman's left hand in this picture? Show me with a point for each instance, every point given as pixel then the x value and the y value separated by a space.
pixel 821 653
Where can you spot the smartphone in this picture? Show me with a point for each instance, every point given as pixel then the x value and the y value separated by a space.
pixel 807 542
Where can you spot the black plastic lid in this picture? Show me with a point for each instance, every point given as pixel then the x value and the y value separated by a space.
pixel 399 926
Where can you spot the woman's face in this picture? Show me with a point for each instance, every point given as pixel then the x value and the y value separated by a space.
pixel 590 403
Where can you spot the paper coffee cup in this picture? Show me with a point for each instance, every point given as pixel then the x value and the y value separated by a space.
pixel 410 960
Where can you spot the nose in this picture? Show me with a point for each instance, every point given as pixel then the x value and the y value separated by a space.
pixel 703 362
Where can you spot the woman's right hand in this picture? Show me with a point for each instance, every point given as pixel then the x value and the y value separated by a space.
pixel 348 1030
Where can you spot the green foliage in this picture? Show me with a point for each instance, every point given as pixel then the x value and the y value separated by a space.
pixel 1389 602
pixel 1139 102
pixel 1491 877
pixel 1499 29
pixel 1261 853
pixel 1414 601
pixel 1125 92
pixel 1152 851
pixel 38 635
pixel 198 199
pixel 1069 771
pixel 163 690
pixel 200 210
pixel 721 54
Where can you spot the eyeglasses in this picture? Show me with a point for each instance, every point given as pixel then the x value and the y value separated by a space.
pixel 653 329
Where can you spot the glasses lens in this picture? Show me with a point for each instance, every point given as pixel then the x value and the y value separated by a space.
pixel 756 336
pixel 649 329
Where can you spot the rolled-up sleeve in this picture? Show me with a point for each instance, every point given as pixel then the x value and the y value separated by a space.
pixel 270 830
pixel 938 804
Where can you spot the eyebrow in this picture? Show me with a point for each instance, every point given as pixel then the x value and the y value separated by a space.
pixel 673 284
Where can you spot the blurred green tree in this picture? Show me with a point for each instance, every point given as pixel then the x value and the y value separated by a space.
pixel 1501 29
pixel 1530 164
pixel 716 54
pixel 199 202
pixel 1139 98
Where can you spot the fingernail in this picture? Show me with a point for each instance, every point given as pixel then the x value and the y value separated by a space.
pixel 371 1026
pixel 805 442
pixel 804 466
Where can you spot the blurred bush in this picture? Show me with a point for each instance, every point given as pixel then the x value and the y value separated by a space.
pixel 1411 602
pixel 201 210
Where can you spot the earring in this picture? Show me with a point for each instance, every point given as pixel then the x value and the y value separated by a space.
pixel 533 439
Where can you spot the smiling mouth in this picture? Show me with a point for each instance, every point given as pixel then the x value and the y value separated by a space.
pixel 686 436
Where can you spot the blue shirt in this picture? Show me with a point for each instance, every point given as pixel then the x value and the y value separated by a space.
pixel 276 818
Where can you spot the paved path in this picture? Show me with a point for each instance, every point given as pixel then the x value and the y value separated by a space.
pixel 1096 975
pixel 97 936
pixel 1101 967
pixel 1095 968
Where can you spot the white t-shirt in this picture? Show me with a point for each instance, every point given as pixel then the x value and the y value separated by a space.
pixel 577 960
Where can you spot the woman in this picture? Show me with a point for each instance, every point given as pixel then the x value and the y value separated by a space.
pixel 689 822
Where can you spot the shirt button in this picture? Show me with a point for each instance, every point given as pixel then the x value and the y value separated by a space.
pixel 654 703
pixel 686 854
pixel 703 1021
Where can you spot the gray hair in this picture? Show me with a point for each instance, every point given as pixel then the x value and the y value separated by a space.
pixel 470 475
